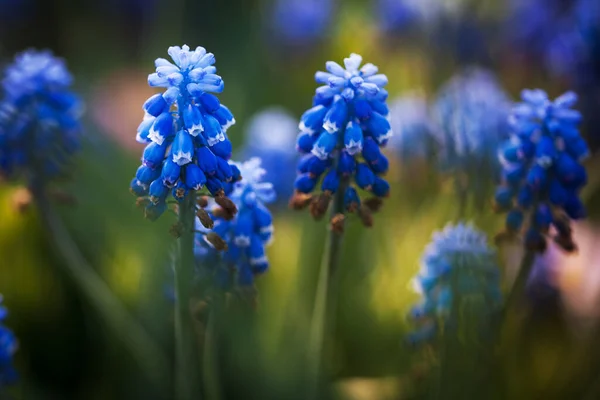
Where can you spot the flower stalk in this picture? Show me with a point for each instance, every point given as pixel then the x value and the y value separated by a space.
pixel 323 319
pixel 186 364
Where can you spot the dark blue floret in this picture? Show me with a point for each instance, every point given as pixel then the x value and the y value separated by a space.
pixel 539 169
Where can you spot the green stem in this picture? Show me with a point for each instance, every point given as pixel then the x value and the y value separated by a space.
pixel 322 322
pixel 187 373
pixel 521 280
pixel 211 350
pixel 148 355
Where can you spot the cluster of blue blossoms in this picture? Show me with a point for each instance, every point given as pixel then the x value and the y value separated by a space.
pixel 185 132
pixel 241 255
pixel 341 137
pixel 562 34
pixel 270 135
pixel 542 171
pixel 301 22
pixel 460 285
pixel 39 118
pixel 471 111
pixel 8 347
pixel 414 132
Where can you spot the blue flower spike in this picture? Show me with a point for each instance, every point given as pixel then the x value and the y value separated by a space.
pixel 242 238
pixel 459 282
pixel 185 132
pixel 341 137
pixel 39 118
pixel 8 347
pixel 542 170
pixel 471 112
pixel 271 135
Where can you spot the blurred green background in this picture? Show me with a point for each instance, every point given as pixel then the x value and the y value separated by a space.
pixel 65 350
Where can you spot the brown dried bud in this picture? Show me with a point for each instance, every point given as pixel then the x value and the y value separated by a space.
pixel 566 243
pixel 205 218
pixel 220 212
pixel 366 216
pixel 177 229
pixel 202 201
pixel 373 203
pixel 142 202
pixel 337 223
pixel 217 241
pixel 299 200
pixel 21 199
pixel 320 204
pixel 226 203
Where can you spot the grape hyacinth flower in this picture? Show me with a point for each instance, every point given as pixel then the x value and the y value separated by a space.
pixel 300 22
pixel 244 236
pixel 398 16
pixel 185 131
pixel 414 131
pixel 471 111
pixel 8 347
pixel 270 136
pixel 542 171
pixel 39 118
pixel 459 283
pixel 341 137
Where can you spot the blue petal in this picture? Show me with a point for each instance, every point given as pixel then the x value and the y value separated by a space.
pixel 158 191
pixel 155 105
pixel 146 175
pixel 305 183
pixel 170 172
pixel 324 145
pixel 154 155
pixel 194 177
pixel 346 164
pixel 353 138
pixel 312 119
pixel 162 128
pixel 337 116
pixel 182 150
pixel 365 178
pixel 331 181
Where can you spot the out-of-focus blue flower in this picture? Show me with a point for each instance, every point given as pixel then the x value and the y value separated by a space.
pixel 8 347
pixel 413 128
pixel 300 22
pixel 246 235
pixel 270 136
pixel 471 111
pixel 460 286
pixel 185 131
pixel 341 136
pixel 563 35
pixel 39 117
pixel 542 171
pixel 402 15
